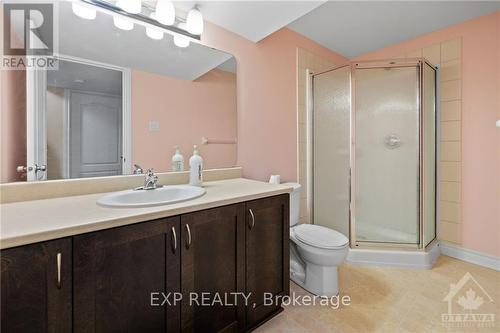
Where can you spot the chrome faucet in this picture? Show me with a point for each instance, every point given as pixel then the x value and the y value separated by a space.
pixel 150 181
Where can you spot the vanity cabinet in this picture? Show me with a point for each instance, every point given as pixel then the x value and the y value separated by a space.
pixel 102 281
pixel 213 262
pixel 36 287
pixel 115 272
pixel 267 256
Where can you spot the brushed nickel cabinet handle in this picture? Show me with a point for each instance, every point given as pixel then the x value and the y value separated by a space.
pixel 59 260
pixel 252 224
pixel 174 240
pixel 188 241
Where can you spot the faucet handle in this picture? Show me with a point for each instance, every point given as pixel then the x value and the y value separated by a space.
pixel 138 170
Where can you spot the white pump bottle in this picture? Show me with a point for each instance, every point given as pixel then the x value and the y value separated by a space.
pixel 195 168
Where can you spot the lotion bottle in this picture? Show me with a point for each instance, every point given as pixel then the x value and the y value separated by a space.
pixel 177 160
pixel 196 168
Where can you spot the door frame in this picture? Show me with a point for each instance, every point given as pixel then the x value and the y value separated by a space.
pixel 36 122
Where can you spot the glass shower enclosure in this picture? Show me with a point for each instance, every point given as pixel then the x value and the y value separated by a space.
pixel 374 152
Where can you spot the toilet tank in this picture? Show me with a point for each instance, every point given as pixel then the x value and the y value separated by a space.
pixel 294 203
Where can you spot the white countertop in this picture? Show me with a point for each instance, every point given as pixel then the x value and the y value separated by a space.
pixel 40 220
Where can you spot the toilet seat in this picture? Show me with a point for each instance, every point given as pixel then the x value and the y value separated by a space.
pixel 320 237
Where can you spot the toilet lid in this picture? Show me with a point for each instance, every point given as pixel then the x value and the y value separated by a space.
pixel 319 236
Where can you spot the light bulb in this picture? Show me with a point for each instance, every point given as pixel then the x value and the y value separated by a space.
pixel 152 32
pixel 180 40
pixel 165 12
pixel 83 11
pixel 130 6
pixel 122 23
pixel 194 22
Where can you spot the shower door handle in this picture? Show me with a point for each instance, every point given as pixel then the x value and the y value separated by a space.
pixel 349 190
pixel 392 141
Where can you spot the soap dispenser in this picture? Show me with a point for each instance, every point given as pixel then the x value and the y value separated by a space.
pixel 177 160
pixel 196 168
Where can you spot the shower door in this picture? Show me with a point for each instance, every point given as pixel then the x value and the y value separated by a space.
pixel 331 133
pixel 385 155
pixel 374 152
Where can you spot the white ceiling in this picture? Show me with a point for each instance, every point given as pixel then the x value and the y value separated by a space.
pixel 253 20
pixel 71 75
pixel 99 40
pixel 354 28
pixel 228 66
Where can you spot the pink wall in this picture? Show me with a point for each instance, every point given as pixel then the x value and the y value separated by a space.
pixel 13 124
pixel 480 137
pixel 267 98
pixel 187 111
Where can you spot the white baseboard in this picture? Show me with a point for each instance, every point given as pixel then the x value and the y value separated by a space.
pixel 471 256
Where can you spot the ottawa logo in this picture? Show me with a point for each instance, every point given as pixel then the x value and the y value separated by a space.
pixel 467 301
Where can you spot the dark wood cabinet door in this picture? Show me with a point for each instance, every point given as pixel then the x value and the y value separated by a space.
pixel 33 298
pixel 267 256
pixel 115 272
pixel 213 261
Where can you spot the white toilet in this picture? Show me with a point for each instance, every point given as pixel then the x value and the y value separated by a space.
pixel 315 252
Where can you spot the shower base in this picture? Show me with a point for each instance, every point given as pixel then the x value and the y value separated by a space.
pixel 423 259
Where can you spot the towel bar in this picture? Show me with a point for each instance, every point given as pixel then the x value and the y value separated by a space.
pixel 207 141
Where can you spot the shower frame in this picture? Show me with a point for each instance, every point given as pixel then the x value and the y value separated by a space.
pixel 388 63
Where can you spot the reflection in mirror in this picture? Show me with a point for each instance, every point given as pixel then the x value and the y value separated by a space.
pixel 117 98
pixel 84 121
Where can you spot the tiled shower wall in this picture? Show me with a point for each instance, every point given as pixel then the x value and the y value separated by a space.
pixel 306 61
pixel 448 56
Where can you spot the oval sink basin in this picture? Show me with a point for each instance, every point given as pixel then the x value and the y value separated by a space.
pixel 165 195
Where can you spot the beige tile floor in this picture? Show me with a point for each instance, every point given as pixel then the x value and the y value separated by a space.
pixel 392 300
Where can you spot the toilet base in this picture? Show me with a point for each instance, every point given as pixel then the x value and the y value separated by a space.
pixel 319 280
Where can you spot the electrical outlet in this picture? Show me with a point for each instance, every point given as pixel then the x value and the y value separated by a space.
pixel 154 126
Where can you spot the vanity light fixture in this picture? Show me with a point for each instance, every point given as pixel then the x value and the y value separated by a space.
pixel 194 21
pixel 124 19
pixel 154 33
pixel 165 12
pixel 130 6
pixel 83 11
pixel 122 23
pixel 179 40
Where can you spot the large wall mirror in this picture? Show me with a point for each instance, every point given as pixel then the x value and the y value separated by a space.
pixel 118 98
